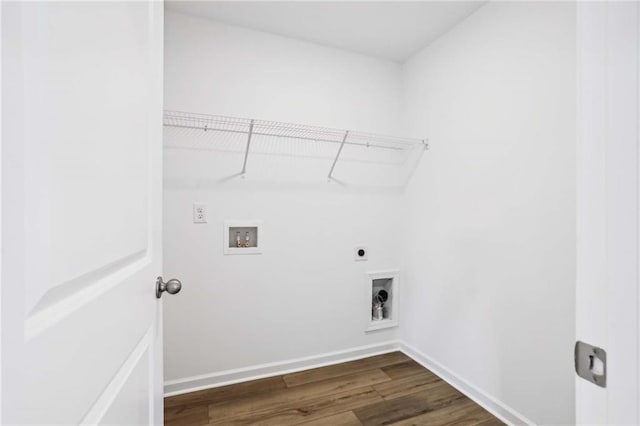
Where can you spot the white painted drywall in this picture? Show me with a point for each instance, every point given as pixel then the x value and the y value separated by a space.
pixel 304 295
pixel 222 69
pixel 489 282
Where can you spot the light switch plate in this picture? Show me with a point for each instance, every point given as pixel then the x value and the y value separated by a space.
pixel 199 213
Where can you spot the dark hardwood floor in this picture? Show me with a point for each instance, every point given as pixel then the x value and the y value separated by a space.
pixel 389 389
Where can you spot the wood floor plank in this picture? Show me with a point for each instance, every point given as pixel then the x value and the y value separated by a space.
pixel 407 385
pixel 186 416
pixel 404 369
pixel 382 390
pixel 436 395
pixel 324 373
pixel 225 393
pixel 342 419
pixel 312 410
pixel 289 398
pixel 465 413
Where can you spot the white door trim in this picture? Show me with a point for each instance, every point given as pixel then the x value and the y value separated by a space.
pixel 608 264
pixel 1 148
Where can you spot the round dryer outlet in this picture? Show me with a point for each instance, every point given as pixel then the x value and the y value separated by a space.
pixel 361 253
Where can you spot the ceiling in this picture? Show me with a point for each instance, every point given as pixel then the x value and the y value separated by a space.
pixel 389 30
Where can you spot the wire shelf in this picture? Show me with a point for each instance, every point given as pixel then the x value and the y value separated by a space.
pixel 260 137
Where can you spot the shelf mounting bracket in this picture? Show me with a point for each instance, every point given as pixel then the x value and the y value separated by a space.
pixel 335 160
pixel 246 152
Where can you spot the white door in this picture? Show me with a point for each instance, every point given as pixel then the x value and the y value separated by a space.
pixel 608 193
pixel 81 219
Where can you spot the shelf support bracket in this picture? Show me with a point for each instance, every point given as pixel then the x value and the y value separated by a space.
pixel 246 152
pixel 335 160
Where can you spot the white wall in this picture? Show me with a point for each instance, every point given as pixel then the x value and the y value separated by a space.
pixel 491 209
pixel 304 295
pixel 227 70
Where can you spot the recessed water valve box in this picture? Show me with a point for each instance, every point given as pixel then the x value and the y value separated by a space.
pixel 381 299
pixel 242 237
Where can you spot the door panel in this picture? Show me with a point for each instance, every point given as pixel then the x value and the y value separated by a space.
pixel 82 111
pixel 88 111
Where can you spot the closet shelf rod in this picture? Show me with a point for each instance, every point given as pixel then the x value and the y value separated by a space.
pixel 335 160
pixel 212 129
pixel 246 152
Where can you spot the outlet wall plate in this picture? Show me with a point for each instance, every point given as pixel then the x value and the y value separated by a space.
pixel 199 213
pixel 361 253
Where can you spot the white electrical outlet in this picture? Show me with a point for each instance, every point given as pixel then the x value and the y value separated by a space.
pixel 199 213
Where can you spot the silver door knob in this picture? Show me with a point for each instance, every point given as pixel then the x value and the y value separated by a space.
pixel 172 286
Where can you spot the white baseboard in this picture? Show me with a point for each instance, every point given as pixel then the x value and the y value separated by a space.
pixel 480 397
pixel 228 377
